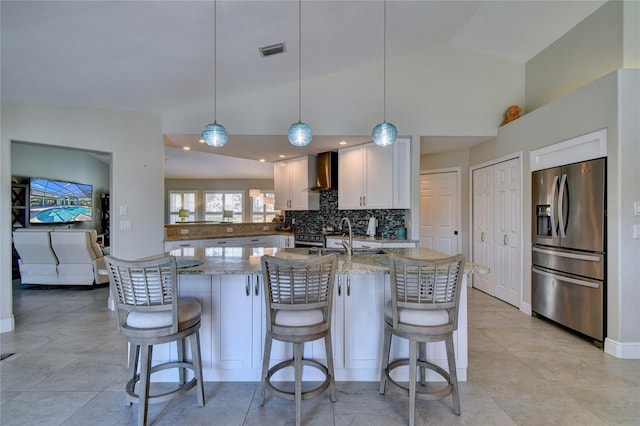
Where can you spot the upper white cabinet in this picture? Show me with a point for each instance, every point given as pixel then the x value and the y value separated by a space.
pixel 374 177
pixel 292 180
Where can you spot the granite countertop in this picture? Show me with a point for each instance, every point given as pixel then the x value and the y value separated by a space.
pixel 239 260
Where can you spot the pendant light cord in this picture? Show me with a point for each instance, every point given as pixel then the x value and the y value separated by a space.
pixel 384 66
pixel 299 61
pixel 215 74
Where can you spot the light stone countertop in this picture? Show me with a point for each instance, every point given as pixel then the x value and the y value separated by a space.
pixel 240 260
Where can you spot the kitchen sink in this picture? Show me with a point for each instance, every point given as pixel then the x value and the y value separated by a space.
pixel 355 252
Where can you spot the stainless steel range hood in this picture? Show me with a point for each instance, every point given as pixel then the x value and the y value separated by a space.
pixel 327 172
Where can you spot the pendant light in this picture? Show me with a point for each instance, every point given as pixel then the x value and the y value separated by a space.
pixel 300 133
pixel 215 134
pixel 385 133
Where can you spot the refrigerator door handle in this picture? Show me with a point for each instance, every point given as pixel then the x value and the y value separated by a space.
pixel 566 279
pixel 562 229
pixel 567 255
pixel 552 213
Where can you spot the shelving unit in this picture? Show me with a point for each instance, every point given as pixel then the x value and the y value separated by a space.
pixel 104 218
pixel 19 205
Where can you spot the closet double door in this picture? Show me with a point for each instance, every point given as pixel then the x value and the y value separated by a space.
pixel 497 229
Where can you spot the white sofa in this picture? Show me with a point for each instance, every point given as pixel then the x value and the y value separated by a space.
pixel 59 256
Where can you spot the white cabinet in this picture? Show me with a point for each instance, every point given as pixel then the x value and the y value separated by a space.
pixel 402 174
pixel 363 322
pixel 255 241
pixel 356 327
pixel 497 223
pixel 366 244
pixel 400 244
pixel 292 179
pixel 179 244
pixel 333 242
pixel 365 177
pixel 286 241
pixel 374 177
pixel 336 242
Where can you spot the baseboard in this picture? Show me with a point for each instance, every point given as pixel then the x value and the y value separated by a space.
pixel 7 325
pixel 622 350
pixel 525 308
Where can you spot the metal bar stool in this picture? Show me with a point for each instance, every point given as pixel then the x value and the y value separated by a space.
pixel 425 295
pixel 299 299
pixel 150 313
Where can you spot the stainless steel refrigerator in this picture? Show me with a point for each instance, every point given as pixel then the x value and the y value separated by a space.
pixel 569 246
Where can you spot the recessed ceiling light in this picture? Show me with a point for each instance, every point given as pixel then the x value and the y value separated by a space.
pixel 262 160
pixel 186 148
pixel 343 142
pixel 201 140
pixel 281 155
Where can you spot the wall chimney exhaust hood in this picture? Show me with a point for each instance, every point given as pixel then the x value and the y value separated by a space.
pixel 327 172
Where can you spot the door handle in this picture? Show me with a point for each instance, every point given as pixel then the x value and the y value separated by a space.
pixel 256 287
pixel 348 285
pixel 563 189
pixel 505 239
pixel 553 208
pixel 339 286
pixel 246 287
pixel 565 279
pixel 482 236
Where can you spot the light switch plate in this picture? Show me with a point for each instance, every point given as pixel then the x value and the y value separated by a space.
pixel 184 231
pixel 125 225
pixel 123 210
pixel 229 229
pixel 636 231
pixel 636 208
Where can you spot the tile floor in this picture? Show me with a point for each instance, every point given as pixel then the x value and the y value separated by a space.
pixel 69 368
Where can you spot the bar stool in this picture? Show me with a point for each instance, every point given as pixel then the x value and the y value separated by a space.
pixel 299 299
pixel 150 313
pixel 425 295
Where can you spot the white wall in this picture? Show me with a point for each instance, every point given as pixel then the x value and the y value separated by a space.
pixel 591 49
pixel 137 174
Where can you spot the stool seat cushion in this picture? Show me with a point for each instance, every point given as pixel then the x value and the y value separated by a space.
pixel 419 317
pixel 189 309
pixel 300 318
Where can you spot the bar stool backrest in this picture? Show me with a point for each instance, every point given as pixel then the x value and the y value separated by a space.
pixel 426 285
pixel 145 289
pixel 298 284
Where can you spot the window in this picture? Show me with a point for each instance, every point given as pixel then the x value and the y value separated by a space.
pixel 182 200
pixel 215 204
pixel 263 207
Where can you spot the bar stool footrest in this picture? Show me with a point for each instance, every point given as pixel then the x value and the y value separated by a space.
pixel 424 394
pixel 311 393
pixel 161 397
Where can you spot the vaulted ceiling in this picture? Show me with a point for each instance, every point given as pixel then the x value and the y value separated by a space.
pixel 157 56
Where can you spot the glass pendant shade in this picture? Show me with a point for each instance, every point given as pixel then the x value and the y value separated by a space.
pixel 384 134
pixel 215 135
pixel 300 134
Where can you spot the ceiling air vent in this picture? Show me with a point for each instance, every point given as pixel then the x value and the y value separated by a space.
pixel 273 49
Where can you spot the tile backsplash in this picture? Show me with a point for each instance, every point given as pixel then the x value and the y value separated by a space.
pixel 312 221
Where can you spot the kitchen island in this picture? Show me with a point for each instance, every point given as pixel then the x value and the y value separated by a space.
pixel 228 284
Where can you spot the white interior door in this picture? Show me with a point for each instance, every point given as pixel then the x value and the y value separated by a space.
pixel 507 231
pixel 483 218
pixel 439 211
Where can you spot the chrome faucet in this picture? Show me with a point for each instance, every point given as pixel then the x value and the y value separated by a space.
pixel 348 246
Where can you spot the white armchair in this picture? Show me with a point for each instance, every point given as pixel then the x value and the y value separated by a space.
pixel 38 263
pixel 79 256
